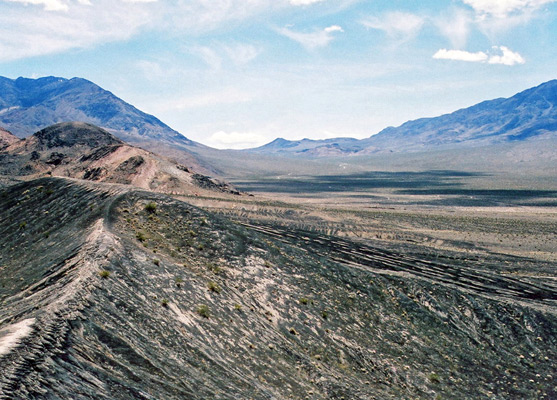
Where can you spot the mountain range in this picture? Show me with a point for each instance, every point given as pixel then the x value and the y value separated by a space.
pixel 29 105
pixel 528 115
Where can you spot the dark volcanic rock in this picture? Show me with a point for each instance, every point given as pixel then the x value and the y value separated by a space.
pixel 71 134
pixel 111 293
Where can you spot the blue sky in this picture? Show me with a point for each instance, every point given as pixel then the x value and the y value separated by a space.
pixel 239 73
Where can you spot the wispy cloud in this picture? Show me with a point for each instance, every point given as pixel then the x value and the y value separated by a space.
pixel 236 140
pixel 304 2
pixel 49 5
pixel 505 56
pixel 502 8
pixel 312 40
pixel 241 53
pixel 398 25
pixel 222 54
pixel 38 27
pixel 229 95
pixel 455 26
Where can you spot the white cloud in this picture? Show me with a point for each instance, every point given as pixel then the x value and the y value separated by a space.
pixel 455 26
pixel 502 8
pixel 25 30
pixel 304 2
pixel 49 5
pixel 398 25
pixel 312 40
pixel 461 55
pixel 236 140
pixel 507 57
pixel 241 53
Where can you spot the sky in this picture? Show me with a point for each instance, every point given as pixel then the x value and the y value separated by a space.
pixel 240 73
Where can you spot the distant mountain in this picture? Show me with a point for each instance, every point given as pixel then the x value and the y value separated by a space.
pixel 84 151
pixel 327 147
pixel 29 105
pixel 527 115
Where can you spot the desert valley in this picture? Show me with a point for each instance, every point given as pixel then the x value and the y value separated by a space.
pixel 138 264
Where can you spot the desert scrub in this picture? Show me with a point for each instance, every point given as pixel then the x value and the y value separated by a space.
pixel 213 287
pixel 157 262
pixel 164 303
pixel 434 378
pixel 140 236
pixel 104 274
pixel 304 301
pixel 203 310
pixel 151 207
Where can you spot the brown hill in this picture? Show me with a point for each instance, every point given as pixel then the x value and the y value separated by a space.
pixel 6 138
pixel 84 151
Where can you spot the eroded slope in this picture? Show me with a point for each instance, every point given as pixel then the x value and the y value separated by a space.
pixel 146 297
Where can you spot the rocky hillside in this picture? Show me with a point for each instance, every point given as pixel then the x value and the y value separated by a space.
pixel 531 114
pixel 113 293
pixel 6 138
pixel 84 151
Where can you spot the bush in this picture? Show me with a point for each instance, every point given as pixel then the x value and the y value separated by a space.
pixel 434 378
pixel 213 287
pixel 164 303
pixel 151 207
pixel 157 262
pixel 304 301
pixel 203 310
pixel 104 274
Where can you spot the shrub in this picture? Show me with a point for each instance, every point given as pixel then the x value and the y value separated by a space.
pixel 157 262
pixel 104 274
pixel 434 378
pixel 140 236
pixel 304 301
pixel 23 225
pixel 164 303
pixel 203 310
pixel 213 287
pixel 238 307
pixel 151 207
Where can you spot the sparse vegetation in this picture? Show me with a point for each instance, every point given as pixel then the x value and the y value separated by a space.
pixel 203 310
pixel 304 301
pixel 434 378
pixel 156 261
pixel 151 207
pixel 104 274
pixel 213 287
pixel 164 303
